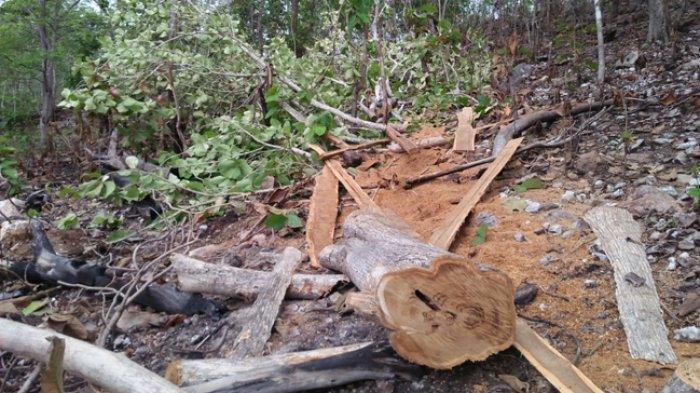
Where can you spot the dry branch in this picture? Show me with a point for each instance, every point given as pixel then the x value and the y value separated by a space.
pixel 441 309
pixel 637 300
pixel 291 372
pixel 111 371
pixel 196 276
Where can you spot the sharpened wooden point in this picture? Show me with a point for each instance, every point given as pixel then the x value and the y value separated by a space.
pixel 447 315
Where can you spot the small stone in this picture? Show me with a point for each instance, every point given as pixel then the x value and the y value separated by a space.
pixel 680 158
pixel 688 143
pixel 689 334
pixel 684 178
pixel 599 184
pixel 597 252
pixel 636 145
pixel 487 219
pixel 352 158
pixel 519 237
pixel 567 234
pixel 661 224
pixel 558 184
pixel 589 283
pixel 532 206
pixel 672 264
pixel 525 294
pixel 548 259
pixel 539 231
pixel 10 208
pixel 634 279
pixel 618 193
pixel 568 196
pixel 687 244
pixel 656 235
pixel 670 190
pixel 572 176
pixel 684 259
pixel 556 229
pixel 686 220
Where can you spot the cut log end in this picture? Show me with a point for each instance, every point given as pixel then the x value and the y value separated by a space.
pixel 449 314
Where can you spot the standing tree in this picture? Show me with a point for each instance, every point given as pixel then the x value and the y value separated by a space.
pixel 601 44
pixel 659 28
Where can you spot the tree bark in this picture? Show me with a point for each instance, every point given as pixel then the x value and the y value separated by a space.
pixel 196 276
pixel 110 371
pixel 441 308
pixel 659 27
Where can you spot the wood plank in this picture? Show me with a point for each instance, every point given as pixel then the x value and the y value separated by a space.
pixel 354 189
pixel 548 361
pixel 445 235
pixel 406 144
pixel 637 299
pixel 465 134
pixel 323 211
pixel 259 318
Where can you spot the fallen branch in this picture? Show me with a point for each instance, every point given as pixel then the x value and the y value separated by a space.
pixel 196 276
pixel 291 372
pixel 514 129
pixel 335 153
pixel 110 371
pixel 259 318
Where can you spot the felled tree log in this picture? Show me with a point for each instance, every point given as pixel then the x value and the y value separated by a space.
pixel 291 372
pixel 196 276
pixel 441 309
pixel 686 378
pixel 110 371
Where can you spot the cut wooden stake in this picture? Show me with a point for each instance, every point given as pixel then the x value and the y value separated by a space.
pixel 445 234
pixel 637 300
pixel 259 318
pixel 441 309
pixel 323 211
pixel 290 372
pixel 548 361
pixel 465 133
pixel 110 371
pixel 196 276
pixel 354 189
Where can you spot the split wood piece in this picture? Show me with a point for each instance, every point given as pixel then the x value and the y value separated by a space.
pixel 291 372
pixel 361 146
pixel 686 378
pixel 323 211
pixel 445 235
pixel 259 318
pixel 406 144
pixel 196 276
pixel 637 300
pixel 465 133
pixel 441 309
pixel 351 186
pixel 506 133
pixel 554 366
pixel 111 371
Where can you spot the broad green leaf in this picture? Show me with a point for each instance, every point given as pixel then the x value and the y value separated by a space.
pixel 132 162
pixel 69 221
pixel 34 306
pixel 529 184
pixel 293 221
pixel 275 221
pixel 118 235
pixel 480 236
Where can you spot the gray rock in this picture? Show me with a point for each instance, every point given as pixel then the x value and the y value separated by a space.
pixel 532 206
pixel 670 190
pixel 680 158
pixel 599 184
pixel 486 218
pixel 689 334
pixel 672 264
pixel 548 259
pixel 568 196
pixel 645 200
pixel 686 220
pixel 589 283
pixel 687 244
pixel 689 143
pixel 556 229
pixel 656 235
pixel 9 208
pixel 519 237
pixel 589 162
pixel 618 193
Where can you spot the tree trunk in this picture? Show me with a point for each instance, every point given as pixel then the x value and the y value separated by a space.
pixel 441 308
pixel 48 78
pixel 294 29
pixel 659 28
pixel 601 45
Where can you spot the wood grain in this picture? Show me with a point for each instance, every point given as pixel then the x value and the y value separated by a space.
pixel 637 300
pixel 323 211
pixel 446 233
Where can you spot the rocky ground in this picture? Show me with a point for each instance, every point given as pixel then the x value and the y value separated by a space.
pixel 643 155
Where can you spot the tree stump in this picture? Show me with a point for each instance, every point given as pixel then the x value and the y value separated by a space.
pixel 442 309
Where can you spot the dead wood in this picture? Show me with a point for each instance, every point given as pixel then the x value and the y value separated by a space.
pixel 55 269
pixel 361 146
pixel 259 318
pixel 323 211
pixel 291 372
pixel 686 378
pixel 441 309
pixel 423 143
pixel 465 133
pixel 196 276
pixel 406 144
pixel 637 299
pixel 111 371
pixel 445 234
pixel 514 129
